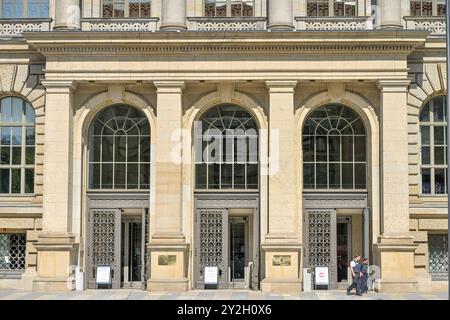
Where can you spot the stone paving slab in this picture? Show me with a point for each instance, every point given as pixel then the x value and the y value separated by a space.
pixel 227 295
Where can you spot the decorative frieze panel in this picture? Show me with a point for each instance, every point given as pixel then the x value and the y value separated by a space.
pixel 334 23
pixel 119 25
pixel 227 24
pixel 342 201
pixel 436 25
pixel 17 27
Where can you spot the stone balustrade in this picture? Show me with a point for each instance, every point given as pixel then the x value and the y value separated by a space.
pixel 226 24
pixel 436 25
pixel 13 27
pixel 333 23
pixel 98 24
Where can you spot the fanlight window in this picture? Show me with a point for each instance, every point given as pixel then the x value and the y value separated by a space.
pixel 334 149
pixel 226 150
pixel 119 150
pixel 433 131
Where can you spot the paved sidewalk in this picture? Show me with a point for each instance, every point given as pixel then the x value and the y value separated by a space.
pixel 212 295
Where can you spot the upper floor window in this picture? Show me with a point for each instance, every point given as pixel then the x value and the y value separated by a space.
pixel 438 255
pixel 428 7
pixel 229 8
pixel 17 146
pixel 15 9
pixel 433 131
pixel 338 8
pixel 334 150
pixel 126 8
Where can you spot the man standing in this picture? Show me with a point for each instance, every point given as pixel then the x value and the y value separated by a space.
pixel 355 267
pixel 365 276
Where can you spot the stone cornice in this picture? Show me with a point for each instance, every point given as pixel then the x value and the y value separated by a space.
pixel 167 43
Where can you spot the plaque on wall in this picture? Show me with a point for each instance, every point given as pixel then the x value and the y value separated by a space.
pixel 281 261
pixel 167 260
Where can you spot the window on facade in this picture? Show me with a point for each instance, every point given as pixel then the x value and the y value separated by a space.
pixel 119 150
pixel 126 8
pixel 12 252
pixel 428 7
pixel 229 8
pixel 438 254
pixel 16 9
pixel 334 149
pixel 325 8
pixel 433 128
pixel 226 150
pixel 17 146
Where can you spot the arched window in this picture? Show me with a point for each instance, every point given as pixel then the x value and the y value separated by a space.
pixel 119 150
pixel 17 146
pixel 226 150
pixel 334 149
pixel 433 131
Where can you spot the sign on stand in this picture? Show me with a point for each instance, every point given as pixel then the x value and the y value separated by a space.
pixel 103 276
pixel 211 277
pixel 322 277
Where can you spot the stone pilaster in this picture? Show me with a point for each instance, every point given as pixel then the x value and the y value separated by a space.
pixel 283 238
pixel 394 251
pixel 67 15
pixel 389 14
pixel 280 15
pixel 56 245
pixel 167 238
pixel 173 15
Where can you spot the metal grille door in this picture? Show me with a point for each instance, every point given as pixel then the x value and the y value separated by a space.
pixel 104 243
pixel 320 241
pixel 211 250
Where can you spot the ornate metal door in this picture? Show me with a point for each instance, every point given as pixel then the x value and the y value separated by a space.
pixel 320 241
pixel 104 244
pixel 211 244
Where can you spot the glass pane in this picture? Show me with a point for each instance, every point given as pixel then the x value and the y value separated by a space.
pixel 438 109
pixel 426 181
pixel 94 154
pixel 5 155
pixel 321 176
pixel 439 135
pixel 94 181
pixel 15 180
pixel 360 176
pixel 6 109
pixel 334 148
pixel 107 148
pixel 425 135
pixel 360 148
pixel 213 176
pixel 6 136
pixel 335 176
pixel 107 176
pixel 120 148
pixel 439 155
pixel 29 114
pixel 425 114
pixel 227 176
pixel 145 176
pixel 4 180
pixel 347 148
pixel 16 136
pixel 133 176
pixel 17 109
pixel 441 7
pixel 200 175
pixel 29 155
pixel 439 181
pixel 145 149
pixel 119 176
pixel 12 9
pixel 308 175
pixel 308 148
pixel 239 176
pixel 133 149
pixel 425 155
pixel 321 148
pixel 252 176
pixel 16 155
pixel 29 180
pixel 30 136
pixel 347 176
pixel 38 9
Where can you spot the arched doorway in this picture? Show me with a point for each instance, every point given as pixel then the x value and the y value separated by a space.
pixel 226 224
pixel 336 216
pixel 118 187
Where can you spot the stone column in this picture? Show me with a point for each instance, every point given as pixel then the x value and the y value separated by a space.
pixel 280 14
pixel 167 238
pixel 67 15
pixel 283 238
pixel 394 251
pixel 389 14
pixel 56 245
pixel 173 15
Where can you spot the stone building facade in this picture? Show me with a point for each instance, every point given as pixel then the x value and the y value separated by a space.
pixel 334 112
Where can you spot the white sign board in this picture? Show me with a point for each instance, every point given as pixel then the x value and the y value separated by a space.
pixel 103 275
pixel 211 275
pixel 322 276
